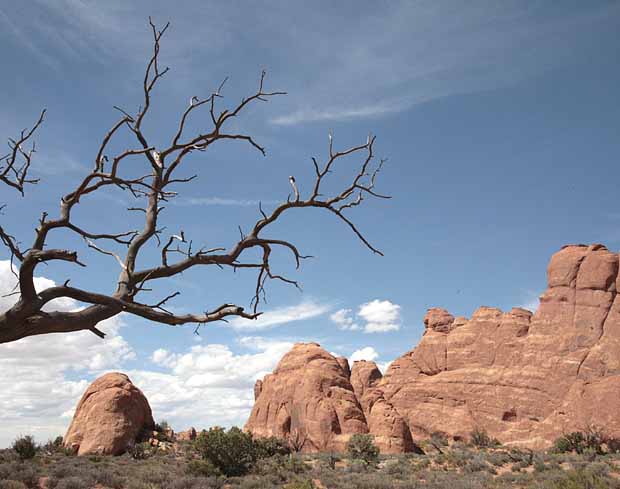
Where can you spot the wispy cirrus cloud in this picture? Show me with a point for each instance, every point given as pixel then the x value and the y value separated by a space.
pixel 421 51
pixel 222 201
pixel 342 113
pixel 282 315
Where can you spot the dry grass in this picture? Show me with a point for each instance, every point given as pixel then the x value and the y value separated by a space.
pixel 458 467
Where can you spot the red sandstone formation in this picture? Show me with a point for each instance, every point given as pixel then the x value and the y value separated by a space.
pixel 308 398
pixel 525 378
pixel 109 417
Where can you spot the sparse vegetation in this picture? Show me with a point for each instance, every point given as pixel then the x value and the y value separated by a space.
pixel 481 439
pixel 25 447
pixel 592 440
pixel 268 464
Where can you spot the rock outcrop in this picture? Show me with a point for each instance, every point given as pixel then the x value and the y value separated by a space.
pixel 309 400
pixel 110 415
pixel 189 435
pixel 391 433
pixel 525 378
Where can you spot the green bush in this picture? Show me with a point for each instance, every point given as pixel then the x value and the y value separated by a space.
pixel 25 447
pixel 53 446
pixel 141 451
pixel 270 447
pixel 233 452
pixel 203 468
pixel 362 447
pixel 571 442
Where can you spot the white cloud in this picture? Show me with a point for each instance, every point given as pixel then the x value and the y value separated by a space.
pixel 342 113
pixel 282 315
pixel 383 366
pixel 221 201
pixel 456 51
pixel 343 319
pixel 209 384
pixel 379 317
pixel 367 353
pixel 44 376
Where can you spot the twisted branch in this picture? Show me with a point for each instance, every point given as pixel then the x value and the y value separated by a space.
pixel 26 317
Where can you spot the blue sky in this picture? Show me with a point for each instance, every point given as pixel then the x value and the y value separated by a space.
pixel 500 121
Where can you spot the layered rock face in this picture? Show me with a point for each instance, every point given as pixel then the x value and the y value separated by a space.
pixel 309 400
pixel 109 417
pixel 525 378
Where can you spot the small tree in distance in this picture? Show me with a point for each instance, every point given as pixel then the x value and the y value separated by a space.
pixel 361 446
pixel 159 183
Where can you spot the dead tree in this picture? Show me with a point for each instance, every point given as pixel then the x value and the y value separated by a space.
pixel 155 187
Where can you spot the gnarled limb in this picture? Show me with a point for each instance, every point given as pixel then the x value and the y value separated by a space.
pixel 161 165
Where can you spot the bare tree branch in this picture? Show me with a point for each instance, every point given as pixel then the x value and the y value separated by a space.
pixel 161 167
pixel 14 172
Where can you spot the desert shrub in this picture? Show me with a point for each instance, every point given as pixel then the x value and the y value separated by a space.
pixel 74 483
pixel 233 452
pixel 25 447
pixel 141 451
pixel 109 479
pixel 569 442
pixel 592 441
pixel 282 468
pixel 190 483
pixel 270 447
pixel 579 479
pixel 476 464
pixel 362 447
pixel 357 466
pixel 202 468
pixel 438 439
pixel 540 466
pixel 498 458
pixel 155 476
pixel 329 459
pixel 305 484
pixel 481 439
pixel 6 484
pixel 397 468
pixel 457 458
pixel 53 446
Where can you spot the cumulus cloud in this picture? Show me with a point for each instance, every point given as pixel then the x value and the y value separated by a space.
pixel 367 353
pixel 383 366
pixel 378 317
pixel 44 376
pixel 208 384
pixel 282 315
pixel 344 320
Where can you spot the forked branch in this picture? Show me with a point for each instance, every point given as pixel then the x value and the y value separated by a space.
pixel 158 184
